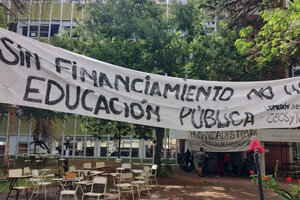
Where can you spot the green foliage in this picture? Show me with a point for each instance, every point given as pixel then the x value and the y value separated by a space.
pixel 277 41
pixel 3 21
pixel 143 132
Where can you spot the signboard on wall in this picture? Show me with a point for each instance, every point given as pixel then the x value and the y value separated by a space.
pixel 39 75
pixel 221 141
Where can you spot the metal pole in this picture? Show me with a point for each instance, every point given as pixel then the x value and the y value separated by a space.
pixel 261 192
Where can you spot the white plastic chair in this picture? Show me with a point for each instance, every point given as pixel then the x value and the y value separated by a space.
pixel 17 173
pixel 124 184
pixel 87 165
pixel 100 164
pixel 26 172
pixel 153 174
pixel 40 185
pixel 126 166
pixel 101 181
pixel 69 192
pixel 142 182
pixel 70 176
pixel 72 168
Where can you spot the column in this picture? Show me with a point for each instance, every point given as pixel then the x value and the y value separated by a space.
pixel 40 19
pixel 29 135
pixel 74 136
pixel 130 153
pixel 262 160
pixel 85 137
pixel 50 21
pixel 71 25
pixel 63 139
pixel 165 145
pixel 18 138
pixel 107 146
pixel 153 147
pixel 61 15
pixel 6 141
pixel 143 151
pixel 29 18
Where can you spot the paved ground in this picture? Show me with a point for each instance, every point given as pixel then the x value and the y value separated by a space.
pixel 188 186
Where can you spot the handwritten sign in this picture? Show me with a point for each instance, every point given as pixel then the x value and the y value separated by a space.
pixel 39 75
pixel 221 141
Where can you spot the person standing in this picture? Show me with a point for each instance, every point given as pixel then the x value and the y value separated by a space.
pixel 187 158
pixel 226 163
pixel 199 162
pixel 205 163
pixel 220 164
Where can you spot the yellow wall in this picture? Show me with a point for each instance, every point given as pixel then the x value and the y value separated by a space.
pixel 55 11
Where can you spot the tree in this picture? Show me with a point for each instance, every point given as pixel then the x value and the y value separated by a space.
pixel 130 33
pixel 136 34
pixel 44 120
pixel 17 7
pixel 211 55
pixel 277 42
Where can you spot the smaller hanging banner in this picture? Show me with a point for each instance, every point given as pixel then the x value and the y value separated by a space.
pixel 221 141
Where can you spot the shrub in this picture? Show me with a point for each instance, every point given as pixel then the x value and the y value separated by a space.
pixel 293 193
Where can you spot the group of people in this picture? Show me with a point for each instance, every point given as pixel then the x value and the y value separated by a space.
pixel 200 162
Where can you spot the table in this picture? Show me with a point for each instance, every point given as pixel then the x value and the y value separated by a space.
pixel 14 182
pixel 137 171
pixel 95 173
pixel 120 169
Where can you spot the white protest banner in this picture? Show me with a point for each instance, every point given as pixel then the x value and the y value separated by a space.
pixel 39 75
pixel 221 141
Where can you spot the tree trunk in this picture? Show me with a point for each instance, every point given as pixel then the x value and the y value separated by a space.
pixel 158 147
pixel 119 149
pixel 36 134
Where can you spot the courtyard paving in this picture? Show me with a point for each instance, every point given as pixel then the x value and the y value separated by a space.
pixel 188 186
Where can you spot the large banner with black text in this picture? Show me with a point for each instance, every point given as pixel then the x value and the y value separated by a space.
pixel 39 75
